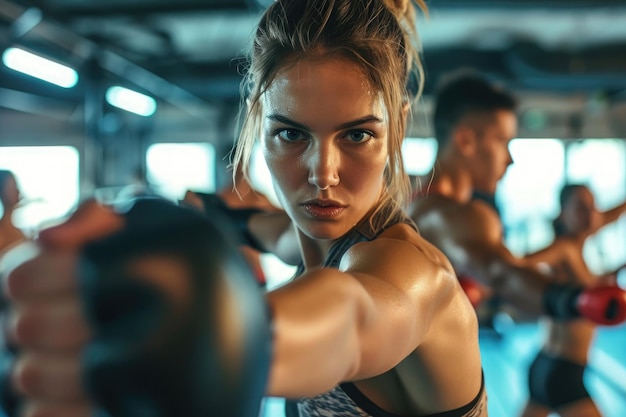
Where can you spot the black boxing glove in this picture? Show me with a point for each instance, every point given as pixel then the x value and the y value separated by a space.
pixel 180 327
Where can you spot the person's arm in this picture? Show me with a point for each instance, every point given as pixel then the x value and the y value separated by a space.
pixel 565 263
pixel 275 232
pixel 611 215
pixel 471 236
pixel 348 324
pixel 262 230
pixel 550 255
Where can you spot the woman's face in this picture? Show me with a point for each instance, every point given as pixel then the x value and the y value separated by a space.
pixel 579 213
pixel 325 142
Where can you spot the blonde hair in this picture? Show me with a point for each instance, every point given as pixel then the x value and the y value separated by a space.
pixel 378 35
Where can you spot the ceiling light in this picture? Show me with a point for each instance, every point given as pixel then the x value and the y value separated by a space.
pixel 39 67
pixel 131 101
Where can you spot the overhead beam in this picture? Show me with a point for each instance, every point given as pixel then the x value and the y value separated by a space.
pixel 63 9
pixel 84 49
pixel 525 4
pixel 36 104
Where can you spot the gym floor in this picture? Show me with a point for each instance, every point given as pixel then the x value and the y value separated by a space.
pixel 507 355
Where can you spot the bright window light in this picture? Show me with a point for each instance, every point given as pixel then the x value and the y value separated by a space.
pixel 419 155
pixel 131 101
pixel 528 193
pixel 39 67
pixel 48 178
pixel 173 168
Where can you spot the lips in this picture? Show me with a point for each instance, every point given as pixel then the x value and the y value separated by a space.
pixel 323 209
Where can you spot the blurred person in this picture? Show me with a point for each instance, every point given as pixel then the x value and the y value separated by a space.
pixel 10 197
pixel 474 121
pixel 556 375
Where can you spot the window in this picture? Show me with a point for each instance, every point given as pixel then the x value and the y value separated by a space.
pixel 419 155
pixel 528 193
pixel 48 178
pixel 173 168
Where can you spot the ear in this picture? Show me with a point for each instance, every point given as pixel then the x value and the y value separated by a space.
pixel 406 107
pixel 464 139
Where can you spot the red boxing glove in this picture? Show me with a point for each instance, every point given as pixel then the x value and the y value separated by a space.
pixel 603 305
pixel 473 290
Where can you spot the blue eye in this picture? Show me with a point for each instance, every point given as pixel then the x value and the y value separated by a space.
pixel 359 136
pixel 290 134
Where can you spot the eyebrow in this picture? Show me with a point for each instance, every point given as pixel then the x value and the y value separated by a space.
pixel 366 119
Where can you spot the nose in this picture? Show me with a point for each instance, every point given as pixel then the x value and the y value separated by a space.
pixel 323 163
pixel 509 158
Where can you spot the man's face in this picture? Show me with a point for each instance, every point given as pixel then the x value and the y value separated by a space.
pixel 491 157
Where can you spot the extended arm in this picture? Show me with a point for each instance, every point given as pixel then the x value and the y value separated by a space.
pixel 471 237
pixel 335 325
pixel 565 262
pixel 612 214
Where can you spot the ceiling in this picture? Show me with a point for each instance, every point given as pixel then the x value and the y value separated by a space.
pixel 183 51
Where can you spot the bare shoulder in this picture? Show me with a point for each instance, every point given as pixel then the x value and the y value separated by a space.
pixel 400 255
pixel 472 220
pixel 449 208
pixel 433 204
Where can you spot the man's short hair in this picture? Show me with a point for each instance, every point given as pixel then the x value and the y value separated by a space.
pixel 464 92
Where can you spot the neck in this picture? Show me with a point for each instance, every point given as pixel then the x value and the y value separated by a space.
pixel 578 238
pixel 7 214
pixel 313 251
pixel 450 179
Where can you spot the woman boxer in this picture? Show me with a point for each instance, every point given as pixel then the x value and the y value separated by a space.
pixel 376 323
pixel 556 374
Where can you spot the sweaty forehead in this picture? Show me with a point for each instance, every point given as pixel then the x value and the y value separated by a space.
pixel 322 88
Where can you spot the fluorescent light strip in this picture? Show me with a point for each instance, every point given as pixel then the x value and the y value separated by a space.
pixel 131 101
pixel 39 67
